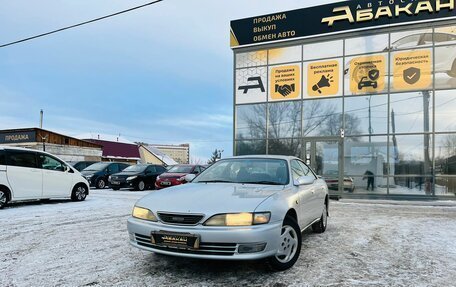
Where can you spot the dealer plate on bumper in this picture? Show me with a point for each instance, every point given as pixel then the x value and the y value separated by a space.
pixel 175 240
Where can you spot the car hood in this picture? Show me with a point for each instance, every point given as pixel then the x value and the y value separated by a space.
pixel 127 173
pixel 172 175
pixel 209 199
pixel 88 172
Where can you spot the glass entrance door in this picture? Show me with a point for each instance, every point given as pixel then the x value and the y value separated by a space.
pixel 323 156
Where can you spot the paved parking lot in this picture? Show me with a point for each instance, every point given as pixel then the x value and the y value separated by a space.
pixel 86 244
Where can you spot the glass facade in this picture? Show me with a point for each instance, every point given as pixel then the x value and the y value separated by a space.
pixel 374 114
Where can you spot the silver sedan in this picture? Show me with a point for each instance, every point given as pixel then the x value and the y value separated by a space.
pixel 240 208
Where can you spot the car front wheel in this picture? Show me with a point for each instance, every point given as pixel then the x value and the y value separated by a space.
pixel 141 185
pixel 289 246
pixel 79 193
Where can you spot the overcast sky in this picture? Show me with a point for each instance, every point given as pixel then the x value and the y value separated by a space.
pixel 162 74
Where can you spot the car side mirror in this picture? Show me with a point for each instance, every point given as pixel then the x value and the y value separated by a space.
pixel 189 177
pixel 68 169
pixel 304 180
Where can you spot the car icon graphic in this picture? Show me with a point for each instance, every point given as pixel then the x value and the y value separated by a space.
pixel 365 82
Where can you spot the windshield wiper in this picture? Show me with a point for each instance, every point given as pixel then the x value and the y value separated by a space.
pixel 263 182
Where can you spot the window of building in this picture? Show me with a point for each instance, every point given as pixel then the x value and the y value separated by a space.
pixel 251 121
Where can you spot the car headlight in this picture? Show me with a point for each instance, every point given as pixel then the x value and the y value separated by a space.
pixel 181 178
pixel 158 177
pixel 143 213
pixel 109 178
pixel 239 219
pixel 131 177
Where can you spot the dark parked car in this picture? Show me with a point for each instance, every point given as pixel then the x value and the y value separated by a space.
pixel 176 175
pixel 98 173
pixel 81 165
pixel 137 177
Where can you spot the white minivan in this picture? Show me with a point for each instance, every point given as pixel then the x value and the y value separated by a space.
pixel 29 174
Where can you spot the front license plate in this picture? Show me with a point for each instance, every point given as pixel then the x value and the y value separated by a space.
pixel 165 183
pixel 115 182
pixel 176 240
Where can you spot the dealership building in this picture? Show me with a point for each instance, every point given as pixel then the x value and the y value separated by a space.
pixel 360 90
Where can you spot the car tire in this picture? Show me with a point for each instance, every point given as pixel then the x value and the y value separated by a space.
pixel 101 184
pixel 79 193
pixel 141 186
pixel 320 226
pixel 4 196
pixel 289 249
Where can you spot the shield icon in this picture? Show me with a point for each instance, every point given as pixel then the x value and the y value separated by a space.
pixel 412 75
pixel 374 74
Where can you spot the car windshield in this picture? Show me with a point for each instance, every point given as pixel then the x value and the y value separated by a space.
pixel 97 166
pixel 135 168
pixel 180 169
pixel 247 171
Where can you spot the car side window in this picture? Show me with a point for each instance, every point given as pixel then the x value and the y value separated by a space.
pixel 2 157
pixel 50 163
pixel 196 170
pixel 151 169
pixel 306 169
pixel 21 159
pixel 296 169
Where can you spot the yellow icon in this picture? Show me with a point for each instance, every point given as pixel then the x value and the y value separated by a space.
pixel 367 74
pixel 412 70
pixel 323 78
pixel 285 82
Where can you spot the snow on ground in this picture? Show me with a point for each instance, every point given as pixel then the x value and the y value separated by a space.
pixel 86 244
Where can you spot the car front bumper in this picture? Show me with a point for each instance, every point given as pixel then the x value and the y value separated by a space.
pixel 220 243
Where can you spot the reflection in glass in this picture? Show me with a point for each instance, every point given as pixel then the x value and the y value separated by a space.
pixel 323 50
pixel 411 154
pixel 251 121
pixel 445 67
pixel 445 154
pixel 445 35
pixel 251 59
pixel 285 147
pixel 285 55
pixel 445 107
pixel 366 44
pixel 322 117
pixel 326 157
pixel 411 39
pixel 250 147
pixel 445 186
pixel 366 115
pixel 367 157
pixel 285 120
pixel 416 184
pixel 361 184
pixel 411 112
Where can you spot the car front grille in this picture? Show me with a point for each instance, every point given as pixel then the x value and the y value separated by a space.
pixel 205 248
pixel 180 219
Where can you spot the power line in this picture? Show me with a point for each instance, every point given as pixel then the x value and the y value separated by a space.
pixel 80 24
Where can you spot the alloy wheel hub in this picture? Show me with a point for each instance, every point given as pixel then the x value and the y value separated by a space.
pixel 288 244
